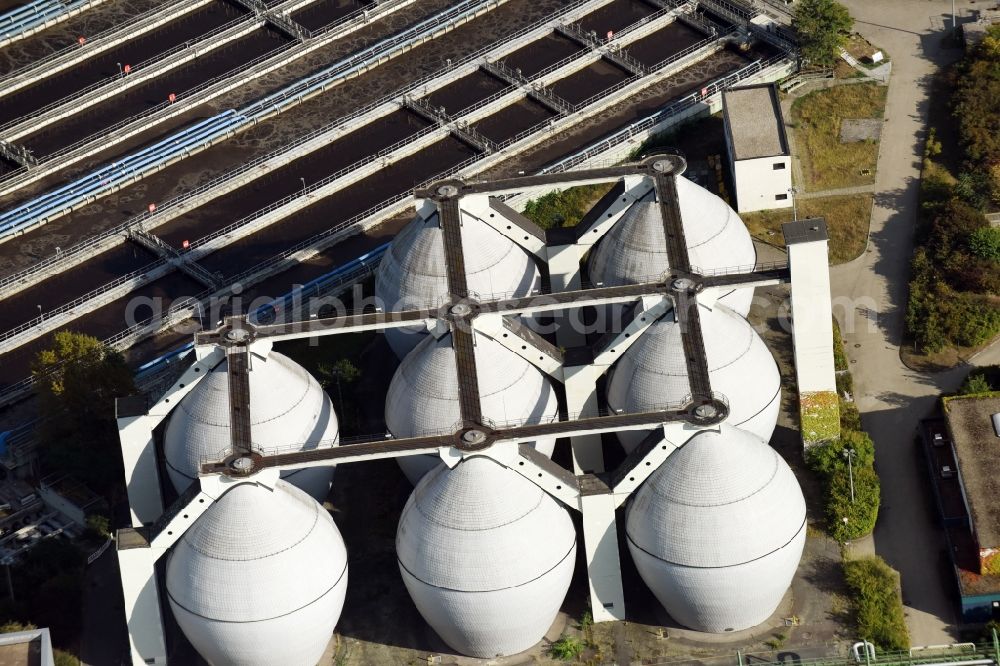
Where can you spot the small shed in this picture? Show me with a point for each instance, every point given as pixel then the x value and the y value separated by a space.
pixel 759 159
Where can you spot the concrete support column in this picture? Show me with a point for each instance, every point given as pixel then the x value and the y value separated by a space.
pixel 139 457
pixel 812 334
pixel 142 601
pixel 600 540
pixel 580 383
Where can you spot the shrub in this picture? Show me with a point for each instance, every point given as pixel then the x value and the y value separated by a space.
pixel 563 208
pixel 12 627
pixel 862 513
pixel 845 385
pixel 61 658
pixel 828 459
pixel 985 243
pixel 977 88
pixel 878 610
pixel 98 526
pixel 981 380
pixel 566 648
pixel 850 417
pixel 975 384
pixel 974 320
pixel 839 357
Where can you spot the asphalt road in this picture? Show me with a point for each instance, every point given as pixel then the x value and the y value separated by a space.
pixel 870 303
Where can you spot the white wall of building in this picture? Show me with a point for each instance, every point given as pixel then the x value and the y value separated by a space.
pixel 813 325
pixel 763 183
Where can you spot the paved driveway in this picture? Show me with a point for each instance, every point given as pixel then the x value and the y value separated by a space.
pixel 871 307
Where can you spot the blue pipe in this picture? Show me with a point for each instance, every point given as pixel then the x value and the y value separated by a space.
pixel 68 195
pixel 144 369
pixel 25 24
pixel 29 11
pixel 313 285
pixel 111 174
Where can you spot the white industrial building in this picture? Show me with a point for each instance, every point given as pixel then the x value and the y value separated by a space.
pixel 256 570
pixel 759 159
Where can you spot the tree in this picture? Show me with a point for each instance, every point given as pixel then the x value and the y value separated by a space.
pixel 822 27
pixel 77 381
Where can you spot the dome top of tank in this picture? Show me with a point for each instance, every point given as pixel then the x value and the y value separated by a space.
pixel 481 527
pixel 260 578
pixel 486 556
pixel 423 395
pixel 287 407
pixel 413 273
pixel 239 537
pixel 635 248
pixel 724 498
pixel 653 371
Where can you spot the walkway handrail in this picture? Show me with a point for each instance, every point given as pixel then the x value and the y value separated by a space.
pixel 683 53
pixel 624 83
pixel 87 245
pixel 643 124
pixel 340 173
pixel 165 104
pixel 93 293
pixel 135 69
pixel 94 43
pixel 143 117
pixel 343 226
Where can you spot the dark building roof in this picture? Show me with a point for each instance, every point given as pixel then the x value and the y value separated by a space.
pixel 804 231
pixel 978 451
pixel 753 116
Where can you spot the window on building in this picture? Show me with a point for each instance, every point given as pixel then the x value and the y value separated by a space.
pixel 778 166
pixel 780 197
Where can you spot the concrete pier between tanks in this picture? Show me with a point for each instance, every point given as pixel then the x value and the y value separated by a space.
pixel 50 65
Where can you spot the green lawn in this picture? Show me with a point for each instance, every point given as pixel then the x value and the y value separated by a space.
pixel 826 162
pixel 846 219
pixel 565 208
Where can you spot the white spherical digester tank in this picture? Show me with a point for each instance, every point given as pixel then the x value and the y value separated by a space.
pixel 652 372
pixel 486 555
pixel 718 530
pixel 260 578
pixel 288 407
pixel 423 395
pixel 635 248
pixel 413 272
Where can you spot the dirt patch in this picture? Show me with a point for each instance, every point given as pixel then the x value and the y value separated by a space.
pixel 853 130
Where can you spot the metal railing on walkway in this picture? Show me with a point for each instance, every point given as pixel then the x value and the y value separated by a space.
pixel 64 199
pixel 91 246
pixel 68 56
